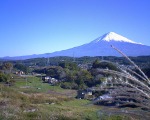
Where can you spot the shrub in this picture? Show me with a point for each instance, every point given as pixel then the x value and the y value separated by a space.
pixel 3 77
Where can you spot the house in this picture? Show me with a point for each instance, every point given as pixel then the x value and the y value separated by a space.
pixel 20 73
pixel 53 81
pixel 104 97
pixel 50 80
pixel 46 78
pixel 84 94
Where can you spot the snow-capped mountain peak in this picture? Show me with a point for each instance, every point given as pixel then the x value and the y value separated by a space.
pixel 112 36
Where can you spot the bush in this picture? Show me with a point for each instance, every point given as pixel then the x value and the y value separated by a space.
pixel 3 77
pixel 104 65
pixel 68 85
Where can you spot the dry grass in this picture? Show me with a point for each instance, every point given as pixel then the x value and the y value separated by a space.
pixel 15 104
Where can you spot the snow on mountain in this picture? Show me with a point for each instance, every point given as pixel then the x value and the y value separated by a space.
pixel 112 36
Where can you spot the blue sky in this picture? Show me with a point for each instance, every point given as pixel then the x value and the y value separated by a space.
pixel 44 26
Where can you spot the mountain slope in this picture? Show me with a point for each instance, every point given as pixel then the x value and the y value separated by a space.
pixel 100 47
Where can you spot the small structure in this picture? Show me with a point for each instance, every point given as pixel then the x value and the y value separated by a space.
pixel 46 78
pixel 84 94
pixel 50 80
pixel 20 73
pixel 105 97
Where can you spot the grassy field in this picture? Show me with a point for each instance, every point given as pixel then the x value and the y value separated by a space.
pixel 30 99
pixel 35 84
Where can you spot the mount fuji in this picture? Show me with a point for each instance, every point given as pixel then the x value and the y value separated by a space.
pixel 100 47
